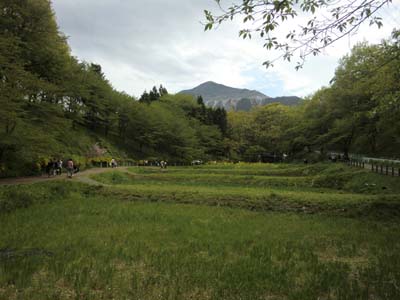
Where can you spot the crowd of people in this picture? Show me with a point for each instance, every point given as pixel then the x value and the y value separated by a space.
pixel 55 167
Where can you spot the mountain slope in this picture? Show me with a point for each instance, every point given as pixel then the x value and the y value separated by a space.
pixel 211 91
pixel 219 95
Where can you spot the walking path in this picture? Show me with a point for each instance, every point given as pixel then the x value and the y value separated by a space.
pixel 81 176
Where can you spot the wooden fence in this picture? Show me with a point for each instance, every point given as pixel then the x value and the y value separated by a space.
pixel 376 167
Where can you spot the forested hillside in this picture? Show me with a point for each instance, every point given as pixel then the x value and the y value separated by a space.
pixel 54 106
pixel 358 113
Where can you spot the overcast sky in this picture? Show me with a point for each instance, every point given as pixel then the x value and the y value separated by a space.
pixel 140 44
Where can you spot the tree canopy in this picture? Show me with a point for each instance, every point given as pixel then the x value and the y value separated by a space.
pixel 52 105
pixel 358 113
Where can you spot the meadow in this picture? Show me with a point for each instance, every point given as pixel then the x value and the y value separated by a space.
pixel 244 231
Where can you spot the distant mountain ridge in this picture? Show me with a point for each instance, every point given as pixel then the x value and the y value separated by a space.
pixel 219 95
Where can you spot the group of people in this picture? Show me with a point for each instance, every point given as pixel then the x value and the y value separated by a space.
pixel 54 167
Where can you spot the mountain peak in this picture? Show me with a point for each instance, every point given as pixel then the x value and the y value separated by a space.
pixel 218 95
pixel 209 83
pixel 213 91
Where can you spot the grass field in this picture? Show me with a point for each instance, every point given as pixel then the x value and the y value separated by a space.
pixel 210 232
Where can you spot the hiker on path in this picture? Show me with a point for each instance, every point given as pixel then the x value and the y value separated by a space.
pixel 113 163
pixel 70 168
pixel 59 166
pixel 49 168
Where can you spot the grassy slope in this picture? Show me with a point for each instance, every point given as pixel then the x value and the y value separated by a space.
pixel 36 143
pixel 80 243
pixel 322 188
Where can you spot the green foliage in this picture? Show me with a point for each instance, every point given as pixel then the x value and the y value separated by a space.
pixel 52 105
pixel 265 129
pixel 358 113
pixel 353 118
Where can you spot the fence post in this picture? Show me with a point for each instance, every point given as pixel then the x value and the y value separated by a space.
pixel 387 170
pixel 381 169
pixel 392 171
pixel 372 166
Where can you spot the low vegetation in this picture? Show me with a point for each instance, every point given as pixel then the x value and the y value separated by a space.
pixel 146 234
pixel 319 188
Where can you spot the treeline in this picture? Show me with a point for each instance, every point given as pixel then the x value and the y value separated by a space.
pixel 358 113
pixel 53 105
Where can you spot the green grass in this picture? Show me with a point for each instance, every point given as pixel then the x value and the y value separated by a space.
pixel 167 239
pixel 331 176
pixel 335 190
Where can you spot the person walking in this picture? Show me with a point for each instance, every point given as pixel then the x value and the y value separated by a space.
pixel 49 167
pixel 113 163
pixel 59 166
pixel 70 168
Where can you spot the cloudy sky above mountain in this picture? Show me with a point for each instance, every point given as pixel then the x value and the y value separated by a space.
pixel 144 43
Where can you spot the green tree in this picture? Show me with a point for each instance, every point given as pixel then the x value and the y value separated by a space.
pixel 162 91
pixel 154 94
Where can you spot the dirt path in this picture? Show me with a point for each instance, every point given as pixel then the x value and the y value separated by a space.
pixel 81 176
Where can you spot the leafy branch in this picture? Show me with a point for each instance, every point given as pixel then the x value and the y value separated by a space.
pixel 327 22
